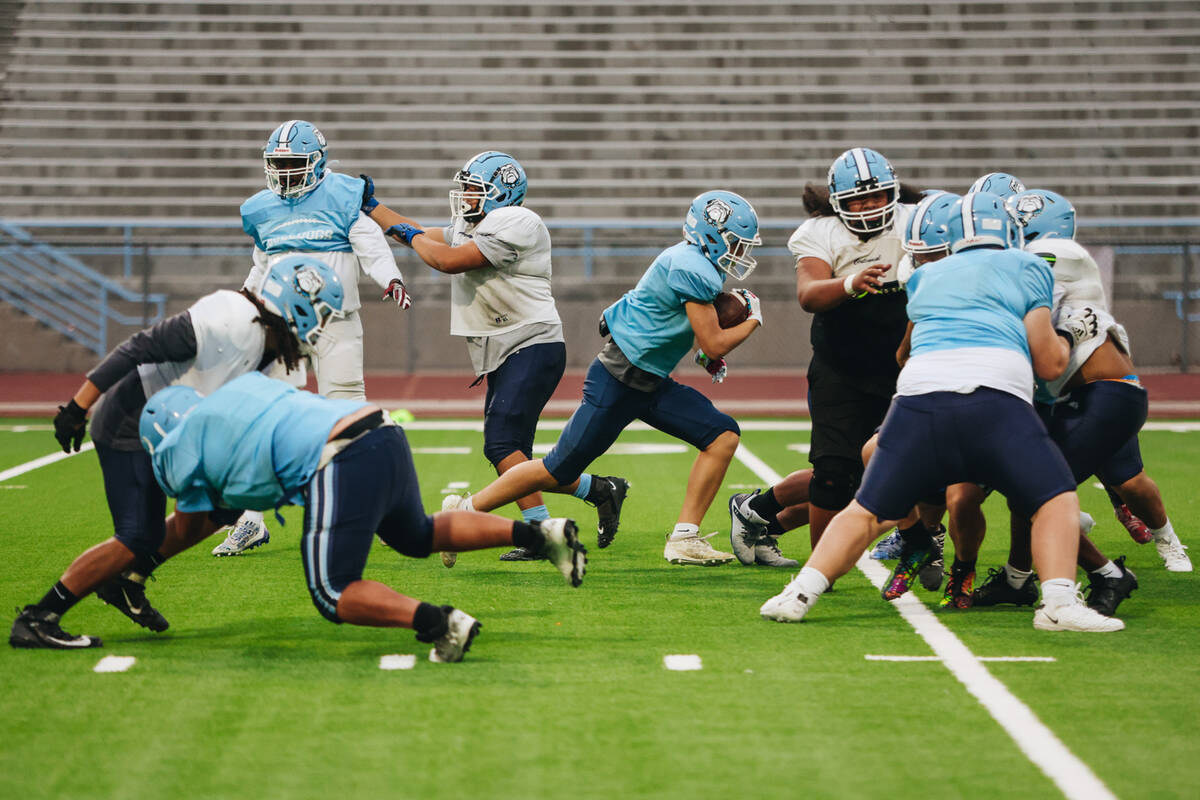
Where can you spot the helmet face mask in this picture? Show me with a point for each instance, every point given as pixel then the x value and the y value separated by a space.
pixel 163 413
pixel 306 293
pixel 725 227
pixel 294 159
pixel 855 175
pixel 927 235
pixel 488 181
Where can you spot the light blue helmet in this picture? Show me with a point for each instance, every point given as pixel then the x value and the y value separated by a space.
pixel 163 412
pixel 1000 184
pixel 725 228
pixel 486 182
pixel 1042 214
pixel 861 171
pixel 980 219
pixel 305 292
pixel 928 229
pixel 294 159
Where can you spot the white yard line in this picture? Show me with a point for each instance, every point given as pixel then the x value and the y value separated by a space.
pixel 114 664
pixel 683 662
pixel 29 466
pixel 1039 744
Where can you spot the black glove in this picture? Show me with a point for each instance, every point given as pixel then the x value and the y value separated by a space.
pixel 368 197
pixel 70 423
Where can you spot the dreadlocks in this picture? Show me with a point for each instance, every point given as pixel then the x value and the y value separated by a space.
pixel 285 339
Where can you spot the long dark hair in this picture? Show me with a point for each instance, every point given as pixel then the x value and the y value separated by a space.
pixel 283 338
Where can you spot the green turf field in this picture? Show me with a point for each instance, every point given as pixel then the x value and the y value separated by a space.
pixel 251 694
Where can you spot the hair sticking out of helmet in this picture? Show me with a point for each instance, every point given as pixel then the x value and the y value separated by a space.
pixel 979 219
pixel 306 293
pixel 1000 184
pixel 294 159
pixel 162 414
pixel 927 233
pixel 1042 214
pixel 488 181
pixel 863 190
pixel 725 227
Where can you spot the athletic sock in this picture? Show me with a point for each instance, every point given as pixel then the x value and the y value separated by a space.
pixel 765 505
pixel 1058 592
pixel 528 535
pixel 58 600
pixel 1164 534
pixel 812 583
pixel 1016 577
pixel 466 504
pixel 917 535
pixel 962 567
pixel 430 622
pixel 535 514
pixel 585 486
pixel 1109 570
pixel 685 530
pixel 143 567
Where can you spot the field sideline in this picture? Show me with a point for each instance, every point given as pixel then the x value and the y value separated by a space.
pixel 252 694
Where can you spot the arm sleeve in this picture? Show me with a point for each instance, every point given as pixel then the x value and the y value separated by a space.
pixel 258 271
pixel 373 252
pixel 172 339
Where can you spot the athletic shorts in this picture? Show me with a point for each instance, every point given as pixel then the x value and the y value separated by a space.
pixel 517 391
pixel 844 415
pixel 135 500
pixel 609 406
pixel 1093 427
pixel 368 488
pixel 988 437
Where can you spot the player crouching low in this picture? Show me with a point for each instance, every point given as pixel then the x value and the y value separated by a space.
pixel 257 443
pixel 980 328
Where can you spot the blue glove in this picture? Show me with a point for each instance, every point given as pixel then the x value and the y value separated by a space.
pixel 368 196
pixel 405 233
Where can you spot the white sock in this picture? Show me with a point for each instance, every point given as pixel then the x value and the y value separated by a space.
pixel 685 530
pixel 1058 592
pixel 1016 577
pixel 812 583
pixel 255 517
pixel 1109 570
pixel 466 504
pixel 1164 534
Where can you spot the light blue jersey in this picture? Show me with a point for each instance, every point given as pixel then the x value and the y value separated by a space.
pixel 318 222
pixel 977 298
pixel 649 323
pixel 253 444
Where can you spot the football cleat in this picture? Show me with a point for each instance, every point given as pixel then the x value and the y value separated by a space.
pixel 1075 617
pixel 246 535
pixel 767 554
pixel 563 550
pixel 744 533
pixel 996 590
pixel 37 628
pixel 449 503
pixel 912 562
pixel 889 547
pixel 790 605
pixel 1174 554
pixel 520 554
pixel 1138 531
pixel 461 630
pixel 932 573
pixel 958 590
pixel 1105 594
pixel 129 597
pixel 608 508
pixel 695 550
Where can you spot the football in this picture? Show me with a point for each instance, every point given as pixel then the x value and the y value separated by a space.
pixel 731 310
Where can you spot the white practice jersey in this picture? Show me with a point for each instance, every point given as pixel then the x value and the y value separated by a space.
pixel 1075 271
pixel 828 239
pixel 515 290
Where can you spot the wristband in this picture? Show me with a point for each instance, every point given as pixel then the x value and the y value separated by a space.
pixel 848 286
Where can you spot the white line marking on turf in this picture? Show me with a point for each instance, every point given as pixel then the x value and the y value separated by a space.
pixel 559 424
pixel 630 449
pixel 1041 659
pixel 29 466
pixel 114 664
pixel 25 428
pixel 397 662
pixel 799 447
pixel 682 663
pixel 1039 744
pixel 13 486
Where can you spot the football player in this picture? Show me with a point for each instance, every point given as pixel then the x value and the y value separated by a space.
pixel 498 254
pixel 221 336
pixel 309 208
pixel 260 443
pixel 980 330
pixel 648 331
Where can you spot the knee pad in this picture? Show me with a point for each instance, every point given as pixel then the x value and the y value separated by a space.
pixel 834 482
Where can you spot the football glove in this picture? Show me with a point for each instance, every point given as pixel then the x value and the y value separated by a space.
pixel 70 423
pixel 405 233
pixel 368 197
pixel 1078 326
pixel 716 367
pixel 397 292
pixel 752 303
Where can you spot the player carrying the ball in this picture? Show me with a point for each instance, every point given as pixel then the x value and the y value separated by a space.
pixel 649 330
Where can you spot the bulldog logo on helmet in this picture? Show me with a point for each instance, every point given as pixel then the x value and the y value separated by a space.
pixel 1028 207
pixel 508 175
pixel 309 281
pixel 716 212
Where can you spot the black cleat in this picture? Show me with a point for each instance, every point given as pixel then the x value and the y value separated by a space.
pixel 520 554
pixel 996 590
pixel 35 627
pixel 608 508
pixel 1105 594
pixel 129 597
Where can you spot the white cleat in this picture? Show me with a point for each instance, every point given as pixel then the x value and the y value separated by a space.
pixel 744 532
pixel 246 535
pixel 563 550
pixel 450 503
pixel 450 647
pixel 1075 617
pixel 790 605
pixel 1174 555
pixel 695 550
